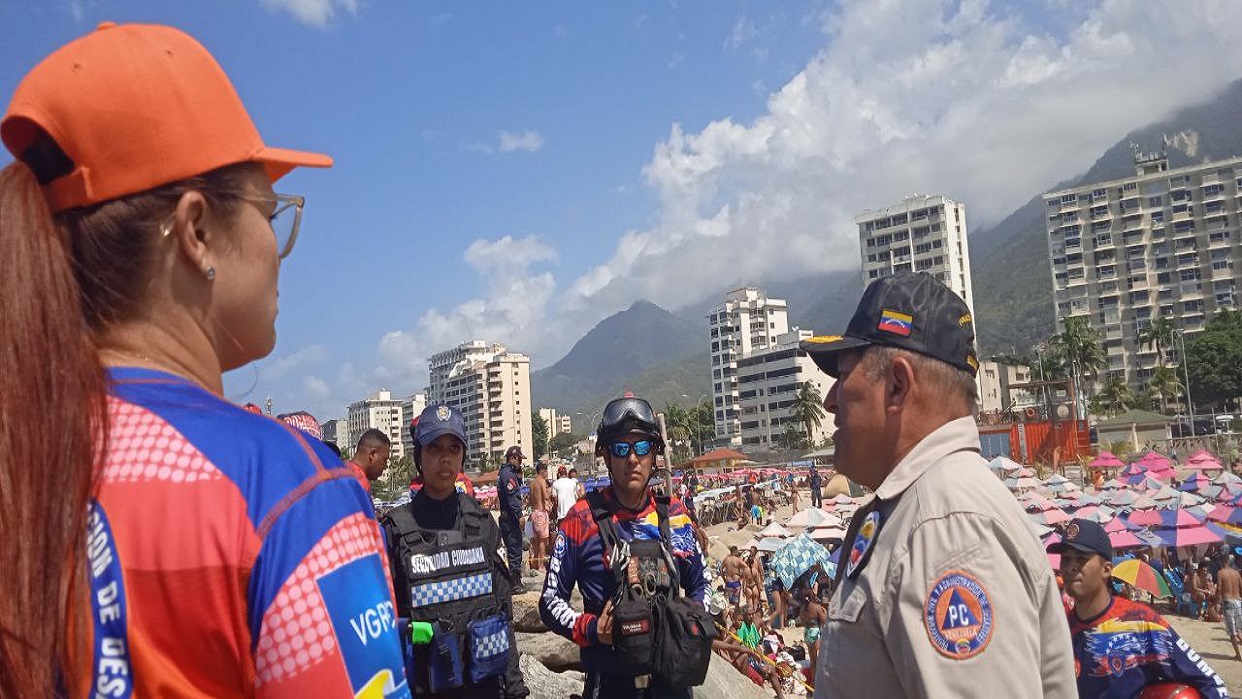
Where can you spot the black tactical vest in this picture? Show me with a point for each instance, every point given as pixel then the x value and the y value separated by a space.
pixel 449 582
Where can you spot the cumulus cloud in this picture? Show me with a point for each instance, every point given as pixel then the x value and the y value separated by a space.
pixel 960 97
pixel 316 13
pixel 511 311
pixel 529 141
pixel 296 362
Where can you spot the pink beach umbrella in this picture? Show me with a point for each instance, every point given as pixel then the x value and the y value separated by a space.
pixel 1146 518
pixel 1050 517
pixel 1124 540
pixel 1203 460
pixel 1107 459
pixel 1115 525
pixel 1152 461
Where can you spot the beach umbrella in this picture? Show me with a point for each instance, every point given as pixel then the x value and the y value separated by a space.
pixel 768 544
pixel 1089 499
pixel 1134 469
pixel 1116 524
pixel 1142 576
pixel 1056 479
pixel 796 557
pixel 775 530
pixel 1223 492
pixel 1124 540
pixel 1004 464
pixel 1025 472
pixel 1023 483
pixel 1226 478
pixel 1146 518
pixel 1180 528
pixel 1112 484
pixel 1200 511
pixel 1195 483
pixel 1203 460
pixel 1106 459
pixel 841 499
pixel 1095 513
pixel 1143 502
pixel 1074 495
pixel 1122 498
pixel 1226 514
pixel 813 517
pixel 1063 486
pixel 827 534
pixel 1050 517
pixel 1190 500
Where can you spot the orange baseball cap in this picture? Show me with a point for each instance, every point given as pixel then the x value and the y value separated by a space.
pixel 133 107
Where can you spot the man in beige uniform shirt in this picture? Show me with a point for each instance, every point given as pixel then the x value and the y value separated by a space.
pixel 942 590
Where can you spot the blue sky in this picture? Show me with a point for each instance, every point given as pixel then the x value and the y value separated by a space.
pixel 517 171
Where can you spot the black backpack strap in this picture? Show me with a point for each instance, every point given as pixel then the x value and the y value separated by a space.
pixel 607 532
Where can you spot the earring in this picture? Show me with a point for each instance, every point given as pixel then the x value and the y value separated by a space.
pixel 210 273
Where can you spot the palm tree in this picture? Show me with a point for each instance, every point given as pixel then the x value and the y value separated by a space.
pixel 1164 383
pixel 680 432
pixel 1159 333
pixel 808 408
pixel 1080 351
pixel 1116 396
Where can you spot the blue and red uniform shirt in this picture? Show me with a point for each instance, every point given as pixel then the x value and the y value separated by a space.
pixel 231 555
pixel 578 558
pixel 1129 646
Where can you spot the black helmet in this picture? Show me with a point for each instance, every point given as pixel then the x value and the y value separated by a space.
pixel 623 416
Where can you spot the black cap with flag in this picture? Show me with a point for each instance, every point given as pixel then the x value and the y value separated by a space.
pixel 911 311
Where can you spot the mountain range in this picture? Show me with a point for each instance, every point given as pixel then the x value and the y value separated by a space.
pixel 663 356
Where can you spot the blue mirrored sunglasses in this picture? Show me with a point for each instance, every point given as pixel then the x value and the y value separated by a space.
pixel 622 449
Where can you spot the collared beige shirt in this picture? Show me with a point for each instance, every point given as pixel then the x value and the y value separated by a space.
pixel 956 598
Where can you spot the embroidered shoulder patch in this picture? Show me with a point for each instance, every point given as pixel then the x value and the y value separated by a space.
pixel 862 543
pixel 958 615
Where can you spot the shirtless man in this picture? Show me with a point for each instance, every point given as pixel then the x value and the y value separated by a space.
pixel 540 517
pixel 754 590
pixel 811 619
pixel 1230 590
pixel 733 569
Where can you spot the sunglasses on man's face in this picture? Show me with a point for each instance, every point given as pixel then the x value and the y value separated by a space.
pixel 622 449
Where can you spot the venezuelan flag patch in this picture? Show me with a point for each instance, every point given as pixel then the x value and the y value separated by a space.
pixel 896 323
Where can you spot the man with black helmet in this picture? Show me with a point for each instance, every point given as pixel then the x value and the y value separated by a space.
pixel 509 497
pixel 624 533
pixel 942 589
pixel 451 583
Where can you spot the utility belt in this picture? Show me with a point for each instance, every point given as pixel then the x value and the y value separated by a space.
pixel 454 630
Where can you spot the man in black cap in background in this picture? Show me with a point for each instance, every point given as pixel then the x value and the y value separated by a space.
pixel 942 589
pixel 1120 646
pixel 509 496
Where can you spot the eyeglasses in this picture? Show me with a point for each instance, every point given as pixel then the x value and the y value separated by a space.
pixel 622 449
pixel 285 219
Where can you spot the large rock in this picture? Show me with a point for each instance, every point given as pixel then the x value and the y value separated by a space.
pixel 554 651
pixel 725 682
pixel 526 614
pixel 545 684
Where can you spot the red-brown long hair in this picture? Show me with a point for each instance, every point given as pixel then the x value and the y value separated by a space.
pixel 67 279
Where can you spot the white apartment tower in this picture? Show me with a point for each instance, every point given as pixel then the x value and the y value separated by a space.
pixel 1158 243
pixel 768 381
pixel 411 408
pixel 491 387
pixel 381 411
pixel 557 423
pixel 924 233
pixel 747 322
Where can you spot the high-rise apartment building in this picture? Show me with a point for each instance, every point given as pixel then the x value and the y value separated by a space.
pixel 411 408
pixel 747 322
pixel 491 388
pixel 1160 243
pixel 924 233
pixel 996 395
pixel 768 381
pixel 557 423
pixel 381 411
pixel 337 432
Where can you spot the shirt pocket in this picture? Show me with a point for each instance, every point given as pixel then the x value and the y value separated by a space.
pixel 842 644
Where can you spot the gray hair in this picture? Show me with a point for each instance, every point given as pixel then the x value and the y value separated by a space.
pixel 941 376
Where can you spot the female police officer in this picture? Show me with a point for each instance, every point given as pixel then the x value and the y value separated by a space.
pixel 451 583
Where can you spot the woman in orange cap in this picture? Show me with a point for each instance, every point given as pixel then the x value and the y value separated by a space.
pixel 171 543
